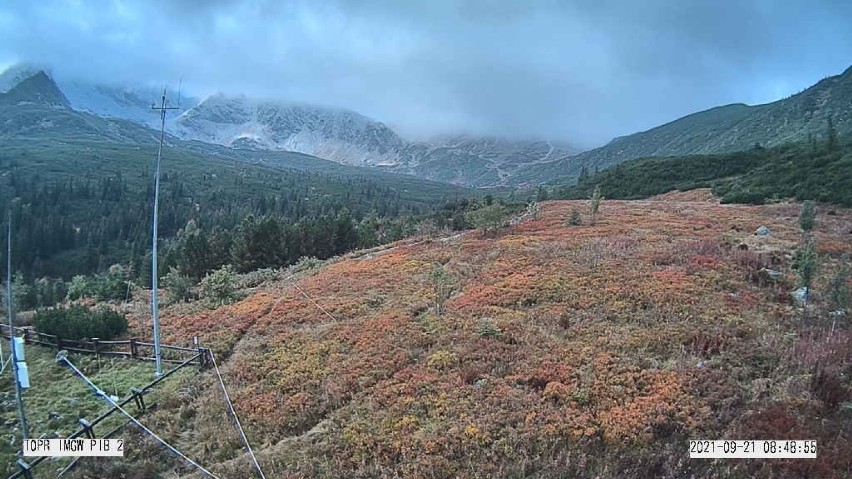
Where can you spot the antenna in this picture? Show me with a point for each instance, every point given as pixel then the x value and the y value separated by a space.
pixel 18 396
pixel 155 310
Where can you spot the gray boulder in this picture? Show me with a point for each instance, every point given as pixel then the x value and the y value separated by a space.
pixel 802 295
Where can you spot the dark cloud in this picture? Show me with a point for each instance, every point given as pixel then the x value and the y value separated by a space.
pixel 582 71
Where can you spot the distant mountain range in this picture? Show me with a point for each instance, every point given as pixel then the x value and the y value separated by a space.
pixel 335 134
pixel 346 137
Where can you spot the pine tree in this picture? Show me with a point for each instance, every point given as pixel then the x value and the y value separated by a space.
pixel 806 217
pixel 595 203
pixel 831 136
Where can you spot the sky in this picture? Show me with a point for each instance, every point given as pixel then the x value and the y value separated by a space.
pixel 581 71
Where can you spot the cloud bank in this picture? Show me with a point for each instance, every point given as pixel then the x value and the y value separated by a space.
pixel 581 71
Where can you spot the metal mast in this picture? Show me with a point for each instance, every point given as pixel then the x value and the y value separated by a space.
pixel 18 396
pixel 155 310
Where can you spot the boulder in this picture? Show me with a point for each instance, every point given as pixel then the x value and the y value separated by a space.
pixel 802 295
pixel 762 231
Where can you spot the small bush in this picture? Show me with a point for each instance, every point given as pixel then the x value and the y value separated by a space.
pixel 219 287
pixel 574 219
pixel 806 263
pixel 828 388
pixel 839 292
pixel 79 322
pixel 534 210
pixel 112 285
pixel 488 218
pixel 806 217
pixel 595 203
pixel 178 286
pixel 257 277
pixel 442 360
pixel 443 286
pixel 488 330
pixel 109 286
pixel 80 287
pixel 306 263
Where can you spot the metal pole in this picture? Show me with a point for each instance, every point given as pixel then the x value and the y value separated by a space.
pixel 18 396
pixel 155 310
pixel 155 307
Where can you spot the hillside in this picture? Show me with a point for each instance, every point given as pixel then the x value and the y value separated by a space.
pixel 586 351
pixel 722 129
pixel 801 171
pixel 478 161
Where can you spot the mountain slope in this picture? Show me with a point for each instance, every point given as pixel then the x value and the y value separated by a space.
pixel 478 161
pixel 756 176
pixel 558 351
pixel 16 74
pixel 37 109
pixel 334 134
pixel 110 101
pixel 129 103
pixel 721 130
pixel 38 89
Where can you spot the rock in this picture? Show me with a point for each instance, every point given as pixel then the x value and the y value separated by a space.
pixel 802 295
pixel 480 383
pixel 762 231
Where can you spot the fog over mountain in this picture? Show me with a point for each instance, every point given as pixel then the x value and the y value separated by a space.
pixel 581 72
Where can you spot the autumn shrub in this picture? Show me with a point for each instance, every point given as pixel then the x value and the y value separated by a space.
pixel 442 359
pixel 828 388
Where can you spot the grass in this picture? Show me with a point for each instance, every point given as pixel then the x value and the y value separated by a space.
pixel 57 398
